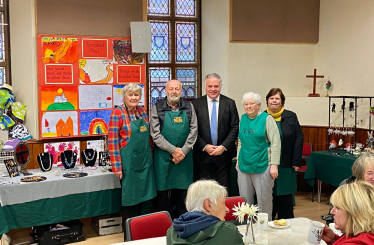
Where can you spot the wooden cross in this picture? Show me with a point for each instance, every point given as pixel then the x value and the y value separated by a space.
pixel 314 83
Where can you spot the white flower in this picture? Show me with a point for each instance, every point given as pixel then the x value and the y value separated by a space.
pixel 244 209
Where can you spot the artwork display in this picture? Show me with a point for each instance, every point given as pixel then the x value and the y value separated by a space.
pixel 80 79
pixel 56 149
pixel 94 122
pixel 59 124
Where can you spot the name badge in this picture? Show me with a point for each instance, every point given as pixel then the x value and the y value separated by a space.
pixel 143 128
pixel 178 119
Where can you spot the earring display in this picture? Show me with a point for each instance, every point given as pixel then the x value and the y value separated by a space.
pixel 45 161
pixel 68 159
pixel 12 168
pixel 89 157
pixel 104 158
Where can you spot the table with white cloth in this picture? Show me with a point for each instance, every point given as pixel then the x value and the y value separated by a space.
pixel 58 198
pixel 296 233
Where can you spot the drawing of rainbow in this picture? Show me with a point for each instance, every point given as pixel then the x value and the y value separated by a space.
pixel 98 126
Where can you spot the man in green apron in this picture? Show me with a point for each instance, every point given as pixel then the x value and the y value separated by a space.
pixel 174 131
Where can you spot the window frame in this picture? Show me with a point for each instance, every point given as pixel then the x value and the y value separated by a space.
pixel 173 65
pixel 6 63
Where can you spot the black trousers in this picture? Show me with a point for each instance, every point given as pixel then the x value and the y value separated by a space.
pixel 283 206
pixel 130 212
pixel 167 199
pixel 220 171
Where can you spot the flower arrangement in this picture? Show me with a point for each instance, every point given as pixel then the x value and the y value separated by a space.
pixel 243 210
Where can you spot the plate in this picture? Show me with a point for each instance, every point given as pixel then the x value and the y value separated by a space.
pixel 75 175
pixel 33 179
pixel 271 224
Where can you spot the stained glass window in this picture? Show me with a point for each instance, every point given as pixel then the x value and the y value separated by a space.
pixel 158 78
pixel 185 8
pixel 185 38
pixel 2 75
pixel 188 78
pixel 160 42
pixel 2 49
pixel 158 7
pixel 175 31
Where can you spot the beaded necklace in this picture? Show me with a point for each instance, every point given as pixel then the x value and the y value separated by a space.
pixel 71 160
pixel 42 163
pixel 89 159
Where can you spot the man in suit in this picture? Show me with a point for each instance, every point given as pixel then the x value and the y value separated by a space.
pixel 218 127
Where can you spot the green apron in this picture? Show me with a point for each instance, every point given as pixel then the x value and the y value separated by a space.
pixel 253 154
pixel 138 182
pixel 168 174
pixel 285 184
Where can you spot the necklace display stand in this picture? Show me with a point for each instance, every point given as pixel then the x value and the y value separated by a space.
pixel 68 159
pixel 89 157
pixel 45 161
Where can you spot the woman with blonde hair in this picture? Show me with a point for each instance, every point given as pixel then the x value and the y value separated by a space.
pixel 354 214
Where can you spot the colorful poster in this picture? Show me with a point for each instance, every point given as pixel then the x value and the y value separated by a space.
pixel 59 124
pixel 59 50
pixel 122 53
pixel 58 73
pixel 95 48
pixel 118 98
pixel 58 98
pixel 95 71
pixel 94 122
pixel 128 74
pixel 95 97
pixel 58 147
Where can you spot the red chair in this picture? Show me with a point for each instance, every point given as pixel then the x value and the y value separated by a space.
pixel 148 226
pixel 307 151
pixel 230 202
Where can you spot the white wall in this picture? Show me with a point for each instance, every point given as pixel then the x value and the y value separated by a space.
pixel 345 55
pixel 23 59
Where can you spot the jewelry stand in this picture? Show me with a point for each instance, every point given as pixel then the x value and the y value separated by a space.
pixel 88 157
pixel 68 159
pixel 45 161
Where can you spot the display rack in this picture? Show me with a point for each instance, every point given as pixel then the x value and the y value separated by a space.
pixel 343 111
pixel 5 155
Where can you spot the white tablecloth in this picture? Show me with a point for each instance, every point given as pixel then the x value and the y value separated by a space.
pixel 295 234
pixel 56 186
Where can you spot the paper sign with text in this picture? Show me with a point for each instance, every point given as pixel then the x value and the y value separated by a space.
pixel 58 74
pixel 95 48
pixel 128 74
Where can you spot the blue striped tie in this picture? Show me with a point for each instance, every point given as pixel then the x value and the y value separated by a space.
pixel 213 124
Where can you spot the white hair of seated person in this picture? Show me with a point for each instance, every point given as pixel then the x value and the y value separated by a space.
pixel 132 87
pixel 251 96
pixel 200 191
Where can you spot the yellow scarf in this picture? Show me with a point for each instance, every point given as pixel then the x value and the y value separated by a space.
pixel 277 116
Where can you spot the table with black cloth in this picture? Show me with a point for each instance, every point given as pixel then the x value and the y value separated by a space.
pixel 58 199
pixel 329 168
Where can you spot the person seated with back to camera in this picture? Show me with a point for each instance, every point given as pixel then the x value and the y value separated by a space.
pixel 204 223
pixel 353 215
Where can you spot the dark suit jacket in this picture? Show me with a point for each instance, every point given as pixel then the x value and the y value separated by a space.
pixel 228 129
pixel 292 140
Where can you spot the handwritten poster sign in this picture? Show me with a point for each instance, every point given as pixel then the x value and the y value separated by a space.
pixel 95 48
pixel 128 74
pixel 58 74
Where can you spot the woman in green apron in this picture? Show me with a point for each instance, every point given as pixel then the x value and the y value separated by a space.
pixel 259 154
pixel 292 148
pixel 130 151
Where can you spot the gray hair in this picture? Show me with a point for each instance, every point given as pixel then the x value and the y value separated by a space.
pixel 132 87
pixel 201 190
pixel 359 166
pixel 250 95
pixel 213 75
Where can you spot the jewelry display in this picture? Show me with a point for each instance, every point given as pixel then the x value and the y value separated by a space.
pixel 45 161
pixel 104 158
pixel 75 175
pixel 68 159
pixel 89 157
pixel 90 168
pixel 33 179
pixel 12 168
